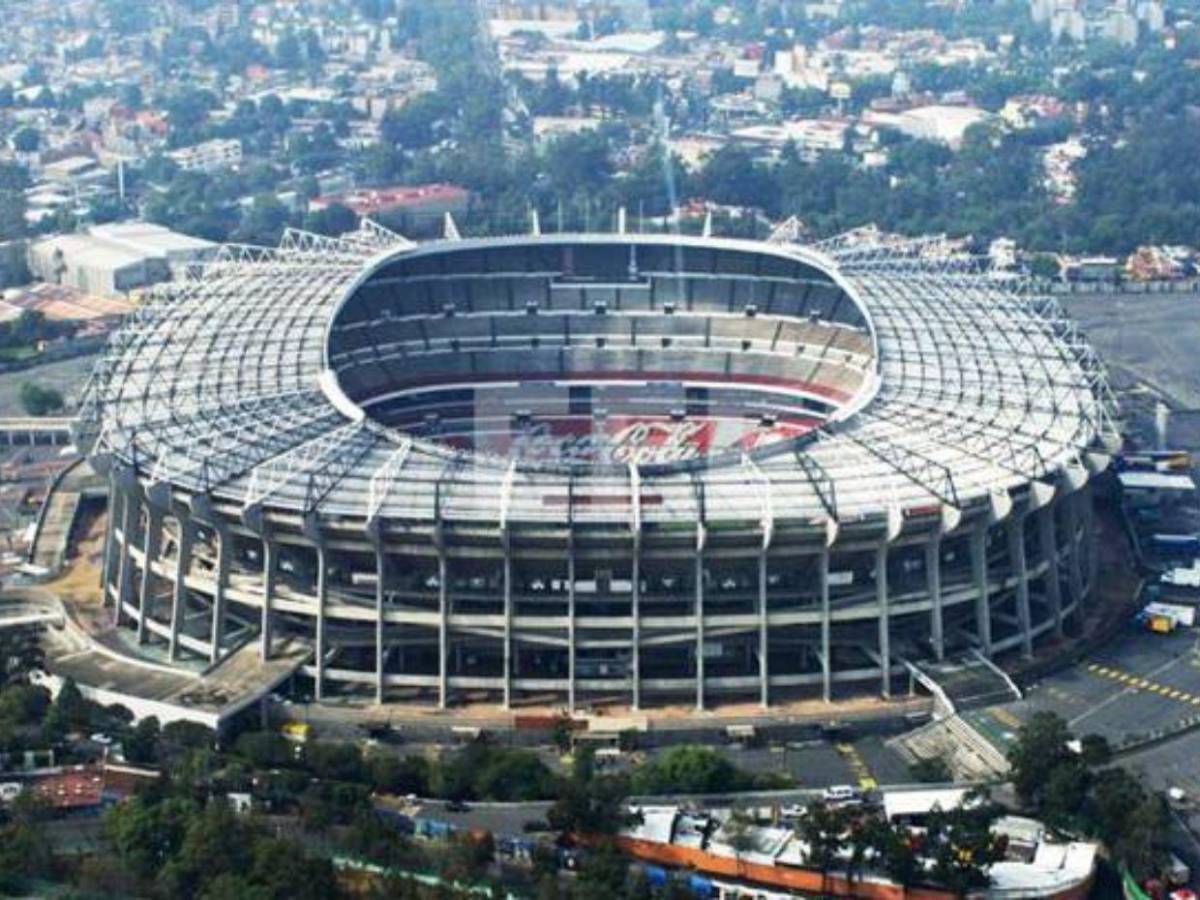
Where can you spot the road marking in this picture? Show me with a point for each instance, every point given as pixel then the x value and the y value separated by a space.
pixel 858 766
pixel 1136 683
pixel 1005 717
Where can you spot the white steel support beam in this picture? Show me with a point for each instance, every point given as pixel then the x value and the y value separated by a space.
pixel 383 479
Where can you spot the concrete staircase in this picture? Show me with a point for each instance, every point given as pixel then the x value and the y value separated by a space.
pixel 50 541
pixel 969 755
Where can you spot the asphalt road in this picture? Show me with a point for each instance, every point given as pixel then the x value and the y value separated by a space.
pixel 1138 684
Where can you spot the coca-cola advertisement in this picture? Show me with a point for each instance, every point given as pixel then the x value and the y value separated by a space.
pixel 638 440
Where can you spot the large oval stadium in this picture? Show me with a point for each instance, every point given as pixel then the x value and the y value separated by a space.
pixel 598 468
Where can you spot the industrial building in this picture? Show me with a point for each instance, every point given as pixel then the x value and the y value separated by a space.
pixel 116 258
pixel 587 468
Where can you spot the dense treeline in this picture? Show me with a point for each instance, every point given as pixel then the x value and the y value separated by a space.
pixel 1080 791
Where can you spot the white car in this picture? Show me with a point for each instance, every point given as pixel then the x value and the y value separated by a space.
pixel 841 795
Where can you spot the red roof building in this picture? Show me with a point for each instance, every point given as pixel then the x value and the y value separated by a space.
pixel 411 200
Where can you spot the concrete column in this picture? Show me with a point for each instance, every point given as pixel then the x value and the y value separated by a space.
pixel 151 545
pixel 699 630
pixel 1090 556
pixel 125 562
pixel 270 556
pixel 1049 550
pixel 114 501
pixel 636 640
pixel 933 578
pixel 883 600
pixel 224 541
pixel 183 562
pixel 1016 555
pixel 983 613
pixel 380 573
pixel 1074 566
pixel 571 612
pixel 508 617
pixel 443 630
pixel 826 626
pixel 322 596
pixel 764 670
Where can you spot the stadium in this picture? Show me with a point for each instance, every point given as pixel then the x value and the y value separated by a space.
pixel 574 469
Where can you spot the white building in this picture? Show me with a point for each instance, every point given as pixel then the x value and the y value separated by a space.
pixel 208 156
pixel 941 124
pixel 117 258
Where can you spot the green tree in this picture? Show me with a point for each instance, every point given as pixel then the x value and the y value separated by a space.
pixel 146 835
pixel 27 140
pixel 289 54
pixel 264 749
pixel 141 744
pixel 264 223
pixel 688 770
pixel 333 220
pixel 739 834
pixel 24 847
pixel 932 770
pixel 823 829
pixel 963 847
pixel 40 401
pixel 1041 747
pixel 1143 844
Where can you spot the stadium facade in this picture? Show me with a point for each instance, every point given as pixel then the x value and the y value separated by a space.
pixel 605 467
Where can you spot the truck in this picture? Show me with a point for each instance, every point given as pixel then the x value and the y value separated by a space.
pixel 1160 624
pixel 1178 614
pixel 1183 576
pixel 1180 545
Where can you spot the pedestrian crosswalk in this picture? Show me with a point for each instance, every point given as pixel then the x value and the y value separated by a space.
pixel 858 766
pixel 1138 683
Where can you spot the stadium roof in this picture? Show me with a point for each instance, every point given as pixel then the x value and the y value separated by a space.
pixel 219 387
